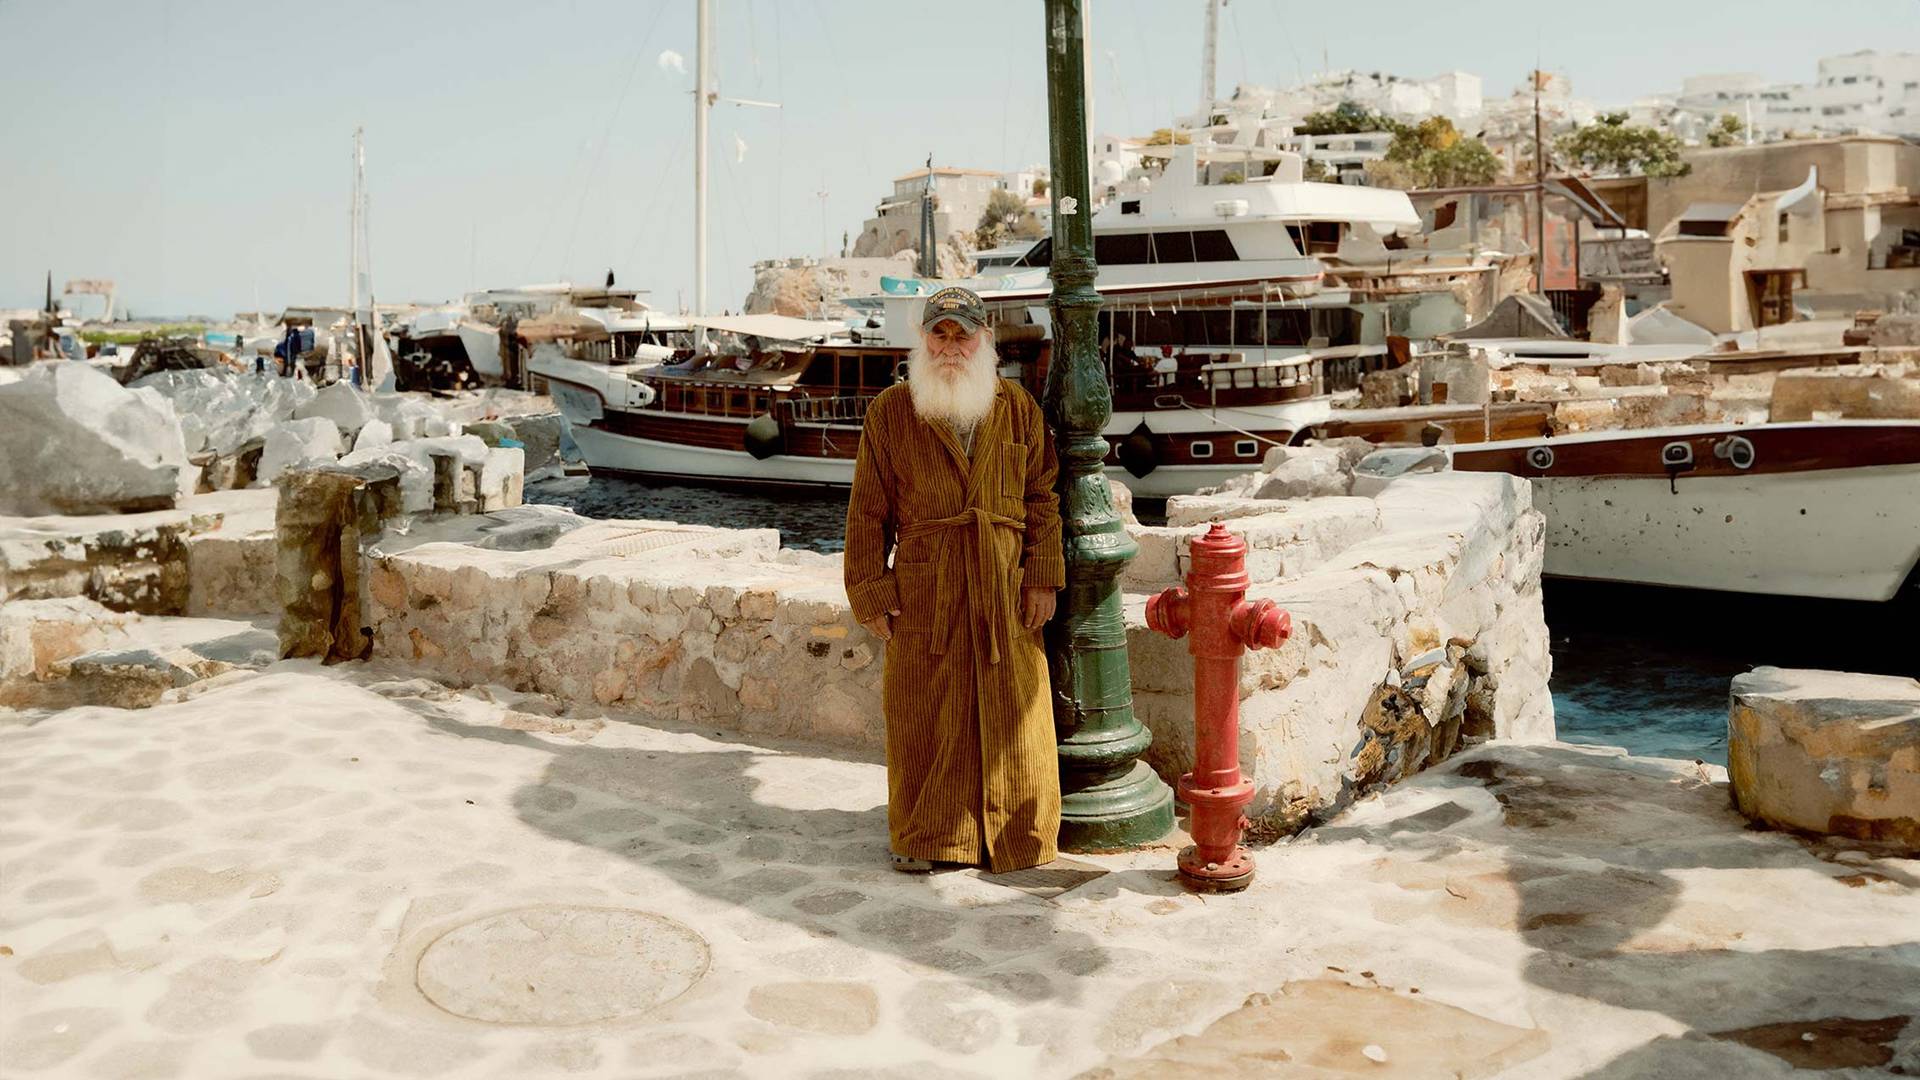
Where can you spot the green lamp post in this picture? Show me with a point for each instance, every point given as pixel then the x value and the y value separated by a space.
pixel 1109 797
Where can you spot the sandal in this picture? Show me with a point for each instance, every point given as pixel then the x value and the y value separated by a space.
pixel 907 864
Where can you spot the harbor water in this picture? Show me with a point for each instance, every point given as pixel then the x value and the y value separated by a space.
pixel 1642 668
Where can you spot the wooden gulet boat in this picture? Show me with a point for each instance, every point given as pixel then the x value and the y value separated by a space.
pixel 791 415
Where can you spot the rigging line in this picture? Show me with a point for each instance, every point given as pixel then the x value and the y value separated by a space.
pixel 780 140
pixel 1240 38
pixel 553 208
pixel 1215 413
pixel 606 134
pixel 840 82
pixel 653 200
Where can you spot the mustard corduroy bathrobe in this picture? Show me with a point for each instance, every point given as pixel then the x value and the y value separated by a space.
pixel 972 774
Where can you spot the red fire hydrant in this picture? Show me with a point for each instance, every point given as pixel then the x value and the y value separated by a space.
pixel 1223 622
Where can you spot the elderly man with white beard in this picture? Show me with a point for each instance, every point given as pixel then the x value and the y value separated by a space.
pixel 953 559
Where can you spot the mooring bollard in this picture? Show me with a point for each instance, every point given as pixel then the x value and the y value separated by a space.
pixel 1223 623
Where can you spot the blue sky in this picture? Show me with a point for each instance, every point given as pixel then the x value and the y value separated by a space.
pixel 199 152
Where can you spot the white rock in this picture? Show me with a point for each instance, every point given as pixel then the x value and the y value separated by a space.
pixel 77 442
pixel 340 403
pixel 375 433
pixel 1305 472
pixel 298 442
pixel 1827 752
pixel 222 411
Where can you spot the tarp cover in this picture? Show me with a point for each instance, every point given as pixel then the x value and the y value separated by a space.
pixel 776 327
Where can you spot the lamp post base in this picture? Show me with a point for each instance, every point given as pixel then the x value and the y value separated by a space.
pixel 1133 808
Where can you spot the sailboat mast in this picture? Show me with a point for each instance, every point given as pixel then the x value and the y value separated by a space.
pixel 701 103
pixel 1207 58
pixel 353 232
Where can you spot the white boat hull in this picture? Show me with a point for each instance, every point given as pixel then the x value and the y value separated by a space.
pixel 606 451
pixel 1851 534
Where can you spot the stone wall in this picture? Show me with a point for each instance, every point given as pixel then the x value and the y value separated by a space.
pixel 200 558
pixel 1417 627
pixel 715 626
pixel 1417 615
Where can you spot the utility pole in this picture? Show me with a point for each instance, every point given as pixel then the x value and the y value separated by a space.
pixel 1109 798
pixel 702 102
pixel 1539 194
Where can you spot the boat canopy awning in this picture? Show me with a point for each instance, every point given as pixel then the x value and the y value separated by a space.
pixel 774 327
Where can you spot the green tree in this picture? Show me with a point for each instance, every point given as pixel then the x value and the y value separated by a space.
pixel 1346 118
pixel 999 220
pixel 1610 144
pixel 1462 163
pixel 1433 153
pixel 1316 172
pixel 1040 184
pixel 1169 137
pixel 1727 131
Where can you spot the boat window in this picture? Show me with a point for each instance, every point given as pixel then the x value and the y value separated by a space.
pixel 820 370
pixel 1213 245
pixel 1173 247
pixel 1315 237
pixel 1202 448
pixel 1040 254
pixel 876 371
pixel 1130 206
pixel 1122 249
pixel 1246 448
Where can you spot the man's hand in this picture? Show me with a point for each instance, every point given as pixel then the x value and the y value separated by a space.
pixel 882 625
pixel 1036 606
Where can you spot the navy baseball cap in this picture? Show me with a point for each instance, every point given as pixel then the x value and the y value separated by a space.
pixel 953 302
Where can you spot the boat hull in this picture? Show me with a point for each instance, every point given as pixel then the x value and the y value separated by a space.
pixel 678 462
pixel 1827 511
pixel 1832 533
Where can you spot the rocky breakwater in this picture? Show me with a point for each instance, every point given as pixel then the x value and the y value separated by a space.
pixel 1417 614
pixel 1418 626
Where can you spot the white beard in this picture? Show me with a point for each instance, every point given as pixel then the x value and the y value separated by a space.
pixel 962 400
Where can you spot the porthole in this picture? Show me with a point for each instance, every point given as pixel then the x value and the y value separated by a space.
pixel 1246 448
pixel 1201 448
pixel 1540 457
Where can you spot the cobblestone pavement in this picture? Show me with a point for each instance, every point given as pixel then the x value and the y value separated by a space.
pixel 310 872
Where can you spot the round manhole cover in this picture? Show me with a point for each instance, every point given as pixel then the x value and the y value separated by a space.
pixel 560 965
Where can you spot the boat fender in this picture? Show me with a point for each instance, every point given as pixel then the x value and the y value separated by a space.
pixel 764 437
pixel 1136 452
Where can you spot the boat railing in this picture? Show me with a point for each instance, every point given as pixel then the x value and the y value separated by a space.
pixel 822 410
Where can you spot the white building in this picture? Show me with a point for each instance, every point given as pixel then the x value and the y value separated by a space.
pixel 1858 93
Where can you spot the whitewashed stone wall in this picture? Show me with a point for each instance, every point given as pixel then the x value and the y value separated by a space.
pixel 721 627
pixel 713 626
pixel 1441 571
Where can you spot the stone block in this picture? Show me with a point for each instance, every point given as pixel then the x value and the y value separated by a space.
pixel 1849 393
pixel 35 635
pixel 76 442
pixel 1828 753
pixel 314 440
